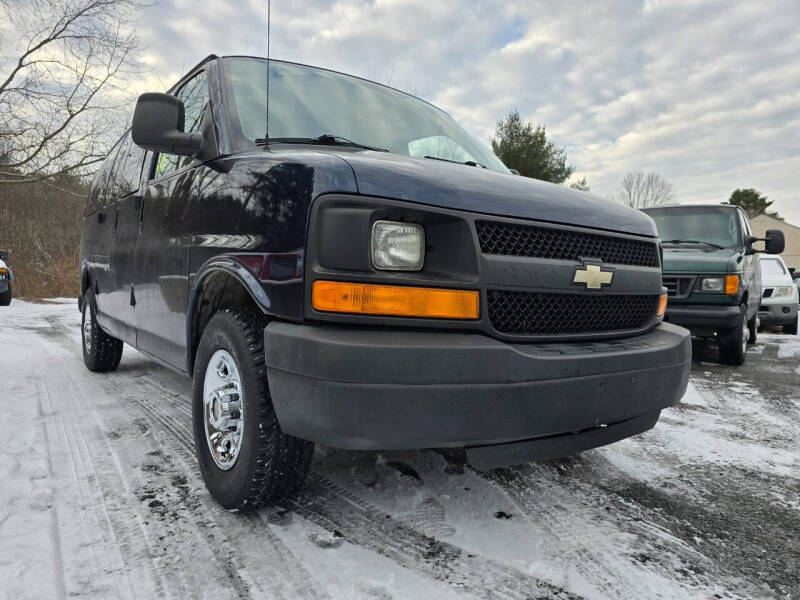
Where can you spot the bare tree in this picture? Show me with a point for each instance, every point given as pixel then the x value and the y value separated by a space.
pixel 643 190
pixel 580 184
pixel 62 64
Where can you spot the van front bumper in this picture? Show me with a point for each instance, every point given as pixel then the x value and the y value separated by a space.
pixel 701 317
pixel 372 389
pixel 777 314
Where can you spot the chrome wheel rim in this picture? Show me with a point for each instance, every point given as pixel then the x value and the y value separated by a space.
pixel 223 409
pixel 87 327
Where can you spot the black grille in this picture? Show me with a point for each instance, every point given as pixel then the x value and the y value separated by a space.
pixel 525 240
pixel 535 313
pixel 678 286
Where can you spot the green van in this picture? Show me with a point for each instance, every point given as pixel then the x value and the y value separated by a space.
pixel 710 272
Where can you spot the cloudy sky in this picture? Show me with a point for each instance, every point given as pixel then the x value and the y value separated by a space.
pixel 705 93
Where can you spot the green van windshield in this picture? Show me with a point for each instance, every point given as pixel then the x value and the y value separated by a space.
pixel 714 225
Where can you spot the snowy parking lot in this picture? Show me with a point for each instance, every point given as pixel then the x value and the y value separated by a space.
pixel 101 496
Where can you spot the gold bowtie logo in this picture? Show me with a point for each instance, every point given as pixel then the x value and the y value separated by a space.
pixel 593 276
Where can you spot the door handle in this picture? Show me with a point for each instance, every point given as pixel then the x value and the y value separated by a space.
pixel 101 217
pixel 137 202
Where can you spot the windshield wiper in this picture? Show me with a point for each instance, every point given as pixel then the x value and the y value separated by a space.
pixel 471 163
pixel 693 242
pixel 324 140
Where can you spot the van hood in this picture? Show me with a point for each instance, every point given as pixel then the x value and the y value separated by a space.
pixel 701 260
pixel 448 185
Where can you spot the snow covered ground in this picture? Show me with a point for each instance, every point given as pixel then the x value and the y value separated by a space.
pixel 100 496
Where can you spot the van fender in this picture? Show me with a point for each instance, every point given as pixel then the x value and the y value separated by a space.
pixel 85 281
pixel 229 265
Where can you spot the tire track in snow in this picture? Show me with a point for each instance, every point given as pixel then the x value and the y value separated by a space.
pixel 297 576
pixel 337 509
pixel 124 537
pixel 582 545
pixel 252 533
pixel 415 549
pixel 199 536
pixel 660 546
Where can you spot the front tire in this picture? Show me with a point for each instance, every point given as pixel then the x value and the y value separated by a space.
pixel 101 352
pixel 246 460
pixel 733 342
pixel 752 328
pixel 791 329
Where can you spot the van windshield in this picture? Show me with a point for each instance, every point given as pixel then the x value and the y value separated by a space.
pixel 307 103
pixel 712 225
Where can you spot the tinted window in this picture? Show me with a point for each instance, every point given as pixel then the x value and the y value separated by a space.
pixel 745 224
pixel 306 102
pixel 93 203
pixel 99 192
pixel 194 94
pixel 128 167
pixel 771 267
pixel 114 179
pixel 713 224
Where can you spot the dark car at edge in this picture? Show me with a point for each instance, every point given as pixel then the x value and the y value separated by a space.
pixel 345 265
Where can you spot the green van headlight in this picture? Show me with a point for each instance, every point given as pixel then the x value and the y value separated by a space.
pixel 712 284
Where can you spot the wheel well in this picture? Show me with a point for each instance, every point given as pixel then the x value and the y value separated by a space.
pixel 219 290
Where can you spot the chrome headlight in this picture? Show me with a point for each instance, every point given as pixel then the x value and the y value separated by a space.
pixel 397 246
pixel 712 284
pixel 782 292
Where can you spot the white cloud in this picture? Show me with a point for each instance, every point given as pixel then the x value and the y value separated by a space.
pixel 705 93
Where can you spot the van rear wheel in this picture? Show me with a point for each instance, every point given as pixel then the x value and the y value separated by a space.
pixel 245 459
pixel 101 352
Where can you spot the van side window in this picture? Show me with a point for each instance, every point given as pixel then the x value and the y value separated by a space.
pixel 113 183
pixel 129 167
pixel 92 202
pixel 745 225
pixel 194 94
pixel 99 192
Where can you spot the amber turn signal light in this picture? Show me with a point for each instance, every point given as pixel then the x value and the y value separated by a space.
pixel 394 300
pixel 662 305
pixel 731 284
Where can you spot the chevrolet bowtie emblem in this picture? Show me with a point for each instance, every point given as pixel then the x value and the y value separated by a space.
pixel 593 276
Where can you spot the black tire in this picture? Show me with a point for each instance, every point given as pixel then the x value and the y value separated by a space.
pixel 103 352
pixel 791 329
pixel 752 328
pixel 270 465
pixel 5 297
pixel 733 342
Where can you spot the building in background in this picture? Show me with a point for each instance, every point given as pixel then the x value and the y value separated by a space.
pixel 792 233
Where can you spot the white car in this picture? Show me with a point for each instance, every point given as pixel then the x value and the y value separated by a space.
pixel 779 298
pixel 6 277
